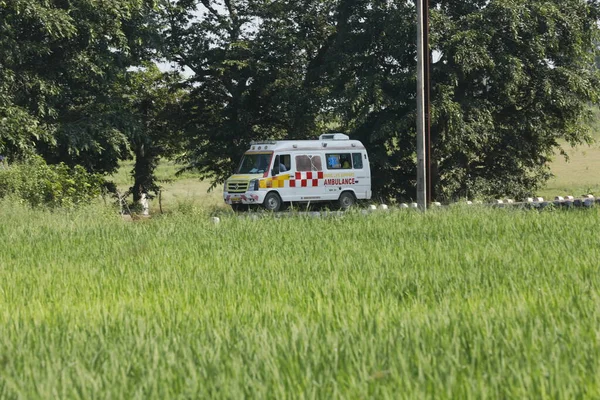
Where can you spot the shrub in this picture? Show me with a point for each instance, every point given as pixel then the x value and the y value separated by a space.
pixel 39 184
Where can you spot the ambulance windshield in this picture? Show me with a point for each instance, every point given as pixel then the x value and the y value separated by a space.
pixel 254 163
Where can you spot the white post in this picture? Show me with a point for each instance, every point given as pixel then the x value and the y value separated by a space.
pixel 421 186
pixel 144 204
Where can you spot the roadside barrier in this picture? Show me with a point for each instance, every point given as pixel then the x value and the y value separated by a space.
pixel 535 203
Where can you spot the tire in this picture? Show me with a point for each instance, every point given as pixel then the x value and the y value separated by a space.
pixel 239 207
pixel 272 202
pixel 346 200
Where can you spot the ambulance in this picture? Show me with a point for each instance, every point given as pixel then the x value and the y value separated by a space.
pixel 275 174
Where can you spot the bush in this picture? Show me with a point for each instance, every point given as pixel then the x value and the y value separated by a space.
pixel 39 184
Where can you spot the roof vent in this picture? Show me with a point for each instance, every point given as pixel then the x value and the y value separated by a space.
pixel 263 142
pixel 334 136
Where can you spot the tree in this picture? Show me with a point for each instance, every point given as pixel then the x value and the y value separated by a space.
pixel 150 103
pixel 27 33
pixel 371 81
pixel 513 79
pixel 254 74
pixel 60 59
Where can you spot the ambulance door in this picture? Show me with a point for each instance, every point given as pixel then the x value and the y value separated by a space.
pixel 362 183
pixel 306 177
pixel 280 175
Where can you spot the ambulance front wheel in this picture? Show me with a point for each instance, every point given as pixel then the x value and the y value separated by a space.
pixel 346 200
pixel 272 202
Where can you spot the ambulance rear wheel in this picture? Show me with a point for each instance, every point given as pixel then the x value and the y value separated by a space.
pixel 346 200
pixel 272 202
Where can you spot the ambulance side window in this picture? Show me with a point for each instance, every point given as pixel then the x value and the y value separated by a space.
pixel 315 163
pixel 357 160
pixel 308 163
pixel 339 161
pixel 286 160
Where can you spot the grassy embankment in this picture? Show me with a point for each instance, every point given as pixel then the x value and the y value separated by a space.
pixel 451 304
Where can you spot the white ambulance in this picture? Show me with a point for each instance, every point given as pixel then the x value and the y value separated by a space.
pixel 277 173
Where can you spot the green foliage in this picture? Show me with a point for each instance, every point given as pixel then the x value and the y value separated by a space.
pixel 510 79
pixel 41 185
pixel 513 83
pixel 59 61
pixel 453 304
pixel 513 78
pixel 248 79
pixel 150 102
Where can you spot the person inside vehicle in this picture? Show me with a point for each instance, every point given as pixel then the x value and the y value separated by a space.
pixel 345 160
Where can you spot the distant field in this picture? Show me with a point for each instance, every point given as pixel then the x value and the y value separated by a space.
pixel 578 176
pixel 581 173
pixel 178 192
pixel 451 304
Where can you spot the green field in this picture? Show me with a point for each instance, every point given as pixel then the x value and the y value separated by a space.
pixel 457 303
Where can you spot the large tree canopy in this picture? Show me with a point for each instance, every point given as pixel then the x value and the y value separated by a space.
pixel 511 79
pixel 58 61
pixel 256 74
pixel 515 78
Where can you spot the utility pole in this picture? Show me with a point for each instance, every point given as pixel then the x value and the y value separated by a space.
pixel 421 119
pixel 427 91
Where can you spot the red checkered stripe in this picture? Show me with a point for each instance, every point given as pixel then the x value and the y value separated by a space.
pixel 306 179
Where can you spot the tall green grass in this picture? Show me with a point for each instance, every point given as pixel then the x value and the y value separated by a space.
pixel 450 304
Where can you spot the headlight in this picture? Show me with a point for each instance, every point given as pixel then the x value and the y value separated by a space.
pixel 253 185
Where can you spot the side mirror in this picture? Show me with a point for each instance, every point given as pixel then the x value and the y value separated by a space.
pixel 274 171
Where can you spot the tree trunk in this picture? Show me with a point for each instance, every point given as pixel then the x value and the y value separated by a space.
pixel 143 172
